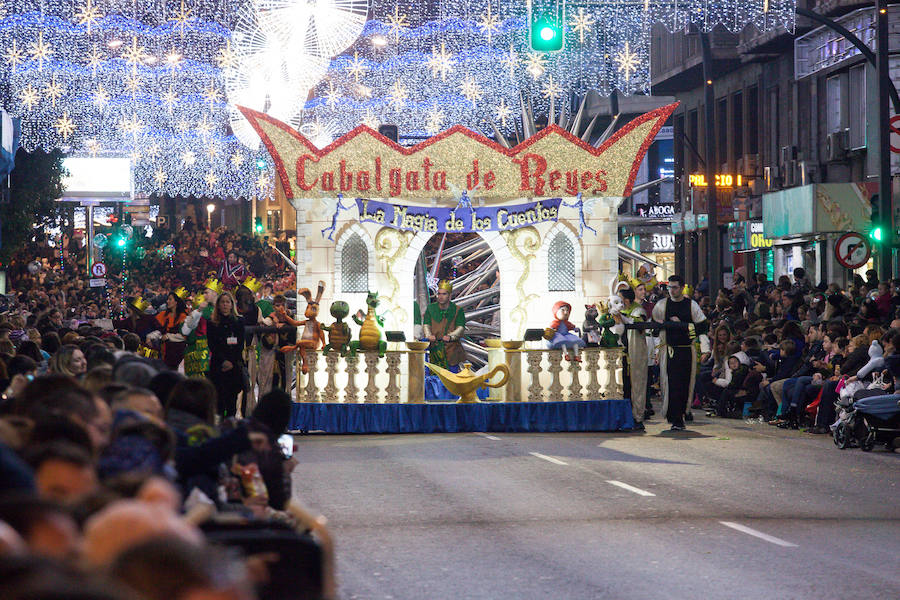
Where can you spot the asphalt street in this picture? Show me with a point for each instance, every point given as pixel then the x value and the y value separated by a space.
pixel 723 510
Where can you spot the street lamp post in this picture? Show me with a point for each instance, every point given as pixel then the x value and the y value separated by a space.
pixel 884 136
pixel 209 211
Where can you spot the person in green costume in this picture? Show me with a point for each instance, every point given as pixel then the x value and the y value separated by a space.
pixel 444 324
pixel 196 355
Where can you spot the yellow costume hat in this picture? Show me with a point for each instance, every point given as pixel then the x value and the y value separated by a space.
pixel 198 299
pixel 181 293
pixel 445 285
pixel 252 284
pixel 213 284
pixel 140 304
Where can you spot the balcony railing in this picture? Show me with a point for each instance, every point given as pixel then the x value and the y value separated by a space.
pixel 399 376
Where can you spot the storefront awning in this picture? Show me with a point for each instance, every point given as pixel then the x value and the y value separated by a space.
pixel 626 253
pixel 818 208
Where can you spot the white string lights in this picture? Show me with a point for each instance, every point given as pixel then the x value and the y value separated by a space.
pixel 470 62
pixel 140 79
pixel 158 80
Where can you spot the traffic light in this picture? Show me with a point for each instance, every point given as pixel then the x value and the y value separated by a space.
pixel 257 225
pixel 545 25
pixel 878 231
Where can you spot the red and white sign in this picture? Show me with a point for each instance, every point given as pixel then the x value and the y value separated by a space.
pixel 98 269
pixel 852 250
pixel 895 134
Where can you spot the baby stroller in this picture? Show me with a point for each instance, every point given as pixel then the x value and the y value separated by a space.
pixel 868 421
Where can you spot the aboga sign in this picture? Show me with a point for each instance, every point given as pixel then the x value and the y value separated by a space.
pixel 365 164
pixel 456 220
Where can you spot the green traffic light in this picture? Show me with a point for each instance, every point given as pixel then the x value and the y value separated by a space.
pixel 876 234
pixel 546 35
pixel 121 242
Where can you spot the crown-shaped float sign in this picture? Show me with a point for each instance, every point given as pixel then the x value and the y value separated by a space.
pixel 550 164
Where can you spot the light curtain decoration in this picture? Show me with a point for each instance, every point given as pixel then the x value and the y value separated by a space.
pixel 140 78
pixel 426 66
pixel 158 80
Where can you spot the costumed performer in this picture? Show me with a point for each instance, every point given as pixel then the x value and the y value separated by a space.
pixel 196 356
pixel 444 324
pixel 567 335
pixel 169 324
pixel 636 354
pixel 682 322
pixel 232 272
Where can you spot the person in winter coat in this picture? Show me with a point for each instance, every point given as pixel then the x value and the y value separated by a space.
pixel 225 333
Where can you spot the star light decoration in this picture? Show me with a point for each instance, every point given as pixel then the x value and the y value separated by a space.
pixel 470 89
pixel 29 96
pixel 64 126
pixel 100 97
pixel 551 89
pixel 183 18
pixel 581 24
pixel 53 90
pixel 397 22
pixel 88 15
pixel 440 62
pixel 40 51
pixel 628 61
pixel 14 55
pixel 397 96
pixel 435 121
pixel 502 112
pixel 98 78
pixel 489 24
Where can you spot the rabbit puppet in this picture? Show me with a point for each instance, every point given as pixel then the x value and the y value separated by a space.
pixel 312 336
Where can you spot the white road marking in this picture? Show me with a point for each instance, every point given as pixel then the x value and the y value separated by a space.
pixel 555 461
pixel 489 437
pixel 630 488
pixel 759 534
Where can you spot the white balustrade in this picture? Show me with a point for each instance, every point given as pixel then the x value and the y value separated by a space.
pixel 548 377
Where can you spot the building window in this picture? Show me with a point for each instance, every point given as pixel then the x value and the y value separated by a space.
pixel 856 114
pixel 273 220
pixel 355 265
pixel 561 264
pixel 752 120
pixel 835 94
pixel 737 125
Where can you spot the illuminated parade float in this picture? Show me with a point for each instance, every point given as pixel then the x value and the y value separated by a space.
pixel 543 208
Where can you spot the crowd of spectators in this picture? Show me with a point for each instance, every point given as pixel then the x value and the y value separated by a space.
pixel 115 467
pixel 781 352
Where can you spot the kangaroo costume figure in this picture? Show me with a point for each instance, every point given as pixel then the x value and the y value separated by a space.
pixel 312 335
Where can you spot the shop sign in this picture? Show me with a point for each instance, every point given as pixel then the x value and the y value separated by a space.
pixel 748 236
pixel 658 242
pixel 550 164
pixel 459 219
pixel 758 238
pixel 657 211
